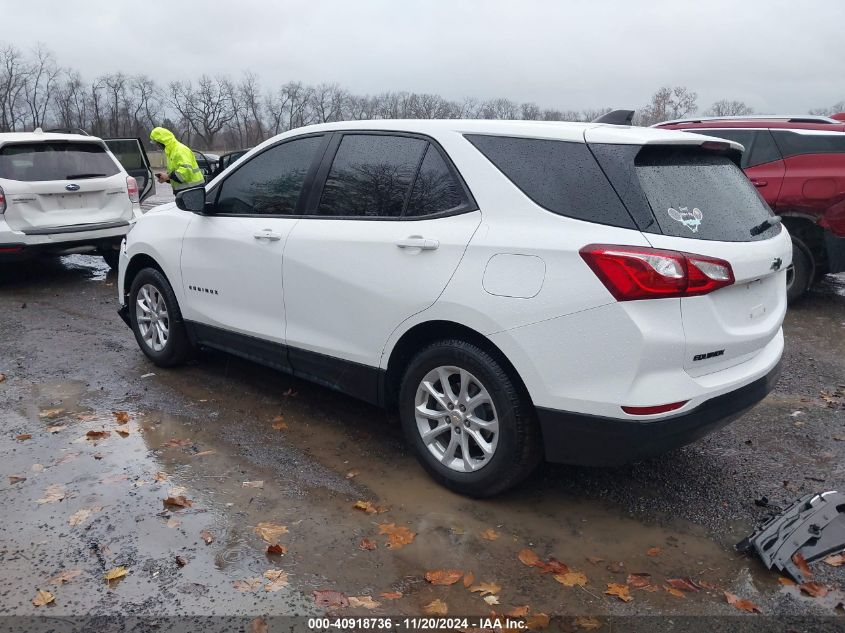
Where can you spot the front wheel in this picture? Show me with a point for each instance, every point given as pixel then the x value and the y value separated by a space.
pixel 156 319
pixel 468 422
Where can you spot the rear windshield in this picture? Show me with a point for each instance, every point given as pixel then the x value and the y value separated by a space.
pixel 55 160
pixel 701 195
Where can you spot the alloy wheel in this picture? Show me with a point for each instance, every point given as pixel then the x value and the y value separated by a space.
pixel 151 315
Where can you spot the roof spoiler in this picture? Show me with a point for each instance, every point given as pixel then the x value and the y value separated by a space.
pixel 616 117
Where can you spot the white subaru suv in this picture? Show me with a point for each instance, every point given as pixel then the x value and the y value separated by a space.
pixel 587 293
pixel 67 193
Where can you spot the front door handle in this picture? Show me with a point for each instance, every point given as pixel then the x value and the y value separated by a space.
pixel 267 234
pixel 759 183
pixel 417 241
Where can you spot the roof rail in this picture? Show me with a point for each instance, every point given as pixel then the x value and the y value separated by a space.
pixel 616 117
pixel 797 118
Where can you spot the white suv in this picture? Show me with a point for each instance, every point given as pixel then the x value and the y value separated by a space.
pixel 589 293
pixel 65 193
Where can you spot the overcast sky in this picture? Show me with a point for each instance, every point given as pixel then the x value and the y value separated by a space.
pixel 776 55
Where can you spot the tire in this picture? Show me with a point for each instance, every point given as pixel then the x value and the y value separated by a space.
pixel 801 273
pixel 174 347
pixel 111 257
pixel 515 449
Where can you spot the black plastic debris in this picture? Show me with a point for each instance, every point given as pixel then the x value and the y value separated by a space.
pixel 813 526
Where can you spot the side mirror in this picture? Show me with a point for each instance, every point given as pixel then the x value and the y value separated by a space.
pixel 191 199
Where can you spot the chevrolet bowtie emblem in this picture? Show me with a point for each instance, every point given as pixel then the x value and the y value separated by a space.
pixel 776 263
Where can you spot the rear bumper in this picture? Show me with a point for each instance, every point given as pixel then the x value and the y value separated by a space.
pixel 20 246
pixel 581 439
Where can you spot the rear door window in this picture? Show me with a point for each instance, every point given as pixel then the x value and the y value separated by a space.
pixel 371 176
pixel 560 176
pixel 809 142
pixel 759 145
pixel 701 195
pixel 55 160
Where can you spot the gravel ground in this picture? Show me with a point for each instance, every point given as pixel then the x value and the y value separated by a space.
pixel 85 504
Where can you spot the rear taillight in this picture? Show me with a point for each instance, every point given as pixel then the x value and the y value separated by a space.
pixel 655 409
pixel 634 272
pixel 132 189
pixel 2 201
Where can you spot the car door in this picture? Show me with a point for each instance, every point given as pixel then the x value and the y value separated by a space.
pixel 232 254
pixel 131 154
pixel 382 238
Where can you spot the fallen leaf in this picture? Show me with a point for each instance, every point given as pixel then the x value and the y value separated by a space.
pixel 490 534
pixel 787 582
pixel 97 435
pixel 23 437
pixel 207 536
pixel 277 578
pixel 270 532
pixel 485 588
pixel 587 624
pixel 174 442
pixel 85 417
pixel 397 536
pixel 2 377
pixel 469 579
pixel 65 576
pixel 595 560
pixel 674 592
pixel 66 458
pixel 181 561
pixel 279 423
pixel 16 479
pixel 653 551
pixel 620 591
pixel 122 432
pixel 53 493
pixel 834 560
pixel 253 484
pixel 553 566
pixel 363 601
pixel 43 598
pixel 352 474
pixel 572 578
pixel 639 580
pixel 616 568
pixel 330 599
pixel 436 607
pixel 276 549
pixel 739 603
pixel 173 523
pixel 491 600
pixel 179 501
pixel 391 595
pixel 537 622
pixel 39 468
pixel 116 573
pixel 250 584
pixel 683 584
pixel 529 557
pixel 801 564
pixel 365 506
pixel 444 576
pixel 49 414
pixel 519 612
pixel 80 516
pixel 113 478
pixel 814 589
pixel 367 544
pixel 258 625
pixel 121 417
pixel 56 428
pixel 160 476
pixel 204 453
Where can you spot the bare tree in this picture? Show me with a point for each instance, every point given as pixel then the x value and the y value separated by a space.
pixel 836 108
pixel 206 109
pixel 327 101
pixel 725 107
pixel 40 84
pixel 13 77
pixel 668 103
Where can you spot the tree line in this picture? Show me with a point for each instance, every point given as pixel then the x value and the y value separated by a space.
pixel 220 112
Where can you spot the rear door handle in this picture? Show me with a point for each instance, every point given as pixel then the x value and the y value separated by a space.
pixel 759 183
pixel 417 241
pixel 267 234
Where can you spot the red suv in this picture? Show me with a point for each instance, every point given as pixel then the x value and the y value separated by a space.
pixel 798 166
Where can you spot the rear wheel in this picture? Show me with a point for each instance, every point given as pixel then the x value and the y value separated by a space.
pixel 468 423
pixel 156 319
pixel 801 272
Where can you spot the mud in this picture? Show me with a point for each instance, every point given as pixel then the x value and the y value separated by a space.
pixel 203 430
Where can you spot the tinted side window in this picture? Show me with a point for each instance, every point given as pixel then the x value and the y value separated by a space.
pixel 560 176
pixel 270 182
pixel 435 189
pixel 764 150
pixel 759 146
pixel 371 175
pixel 793 143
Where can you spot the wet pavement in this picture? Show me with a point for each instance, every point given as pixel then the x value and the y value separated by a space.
pixel 243 450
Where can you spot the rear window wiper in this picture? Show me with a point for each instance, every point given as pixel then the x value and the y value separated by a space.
pixel 766 224
pixel 80 176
